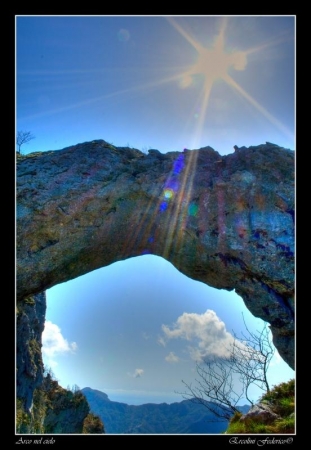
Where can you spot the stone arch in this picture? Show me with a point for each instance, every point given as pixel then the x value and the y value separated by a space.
pixel 227 221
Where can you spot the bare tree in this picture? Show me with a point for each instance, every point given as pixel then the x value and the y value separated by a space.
pixel 223 382
pixel 23 137
pixel 252 359
pixel 215 388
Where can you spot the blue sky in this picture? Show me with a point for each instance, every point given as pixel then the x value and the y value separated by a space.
pixel 150 82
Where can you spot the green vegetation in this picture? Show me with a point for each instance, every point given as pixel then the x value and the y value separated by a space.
pixel 39 411
pixel 23 420
pixel 34 351
pixel 249 360
pixel 30 301
pixel 251 427
pixel 21 305
pixel 281 400
pixel 93 425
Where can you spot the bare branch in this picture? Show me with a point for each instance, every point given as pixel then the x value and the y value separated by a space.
pixel 23 137
pixel 223 382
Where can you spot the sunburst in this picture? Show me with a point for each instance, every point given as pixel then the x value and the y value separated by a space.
pixel 213 64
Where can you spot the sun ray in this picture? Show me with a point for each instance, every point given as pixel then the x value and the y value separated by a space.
pixel 89 101
pixel 278 40
pixel 172 204
pixel 260 108
pixel 178 212
pixel 190 39
pixel 204 105
pixel 143 232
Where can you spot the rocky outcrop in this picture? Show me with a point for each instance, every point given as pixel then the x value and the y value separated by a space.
pixel 274 413
pixel 66 410
pixel 55 410
pixel 30 318
pixel 260 413
pixel 227 221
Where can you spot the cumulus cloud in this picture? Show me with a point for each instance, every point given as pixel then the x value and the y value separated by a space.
pixel 137 374
pixel 172 358
pixel 53 342
pixel 206 334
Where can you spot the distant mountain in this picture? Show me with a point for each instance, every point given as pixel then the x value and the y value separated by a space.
pixel 185 417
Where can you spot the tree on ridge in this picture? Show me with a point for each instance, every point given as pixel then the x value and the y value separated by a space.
pixel 23 137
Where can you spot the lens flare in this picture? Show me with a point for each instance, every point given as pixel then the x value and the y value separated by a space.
pixel 123 35
pixel 193 209
pixel 168 194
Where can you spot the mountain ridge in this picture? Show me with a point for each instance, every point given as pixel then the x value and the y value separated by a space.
pixel 185 417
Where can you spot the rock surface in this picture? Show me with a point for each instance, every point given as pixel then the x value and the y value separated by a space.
pixel 30 318
pixel 66 411
pixel 260 413
pixel 227 221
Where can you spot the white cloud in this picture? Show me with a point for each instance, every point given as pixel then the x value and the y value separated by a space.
pixel 53 342
pixel 145 336
pixel 52 364
pixel 74 346
pixel 137 374
pixel 205 332
pixel 161 341
pixel 172 358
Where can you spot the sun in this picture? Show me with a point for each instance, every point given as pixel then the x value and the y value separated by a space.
pixel 212 63
pixel 215 63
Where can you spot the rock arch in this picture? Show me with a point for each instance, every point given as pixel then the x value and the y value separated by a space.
pixel 227 221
